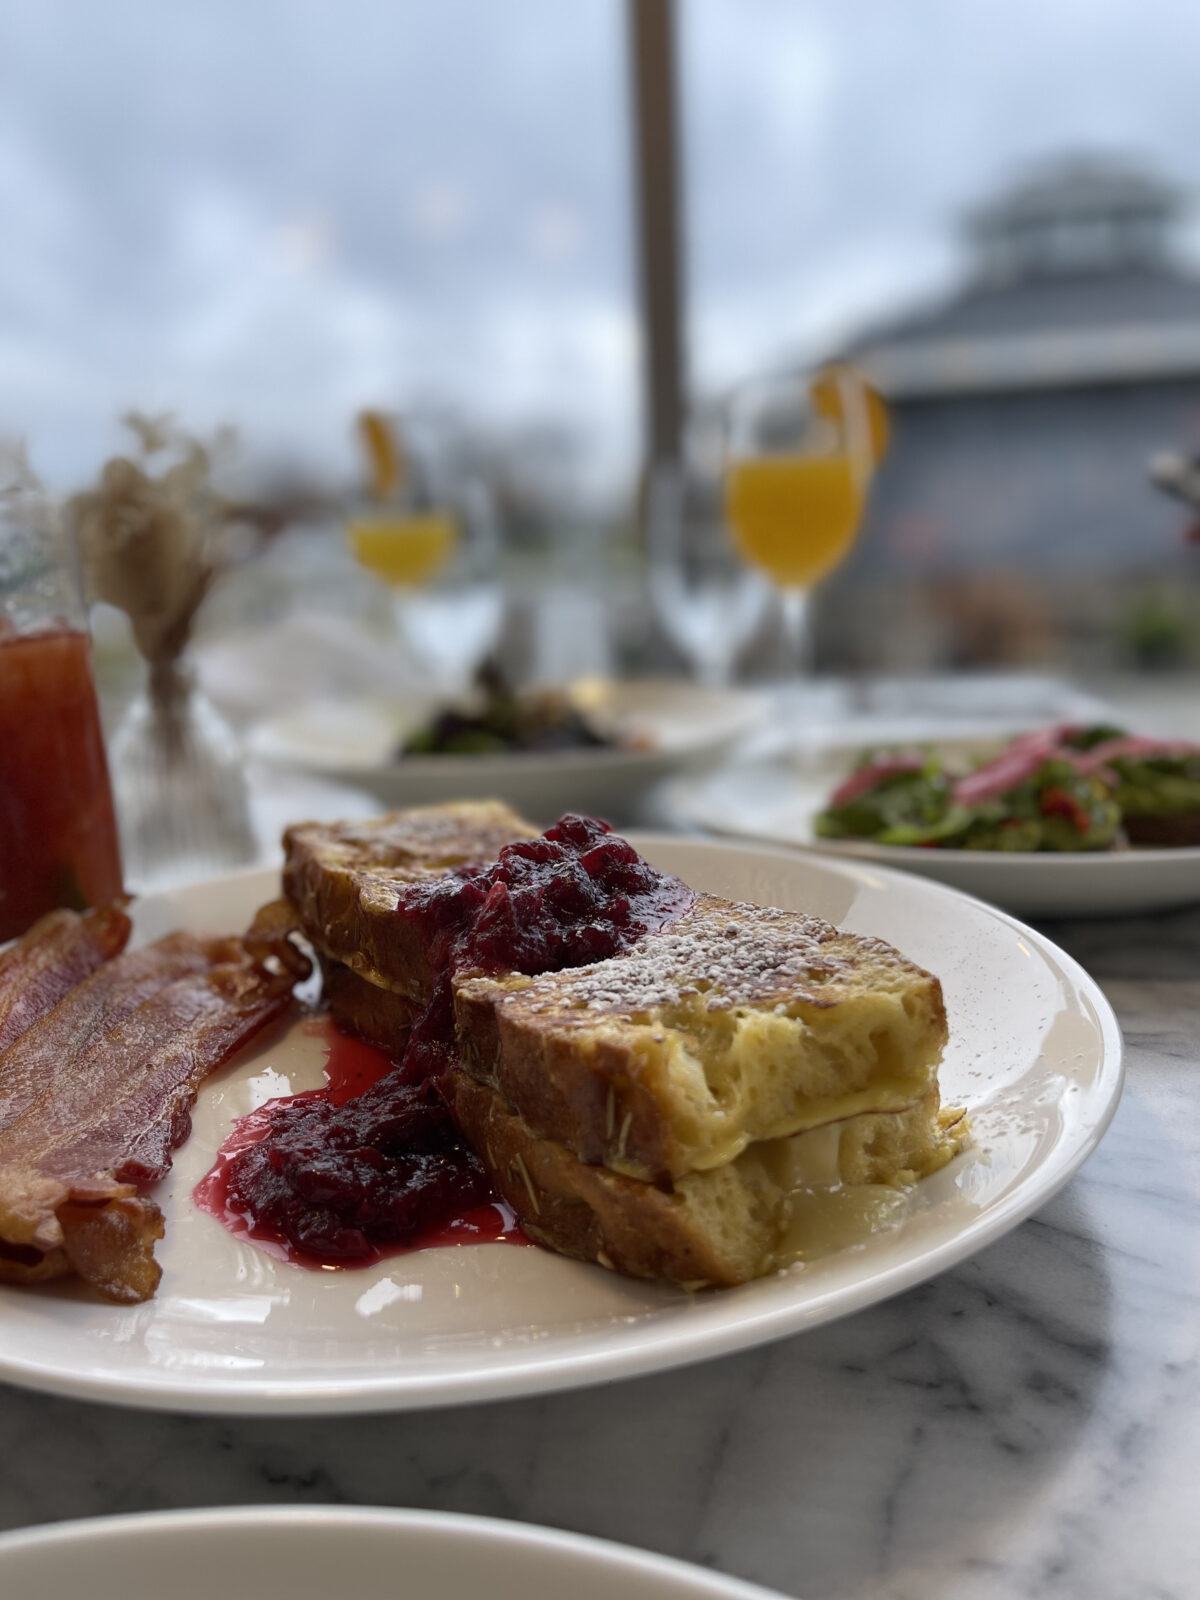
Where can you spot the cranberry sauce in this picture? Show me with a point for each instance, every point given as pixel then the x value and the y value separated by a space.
pixel 577 894
pixel 351 1065
pixel 339 1172
pixel 341 1176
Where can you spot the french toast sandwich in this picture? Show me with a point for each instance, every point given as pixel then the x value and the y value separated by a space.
pixel 660 1110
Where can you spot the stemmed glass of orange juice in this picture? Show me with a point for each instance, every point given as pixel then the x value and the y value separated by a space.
pixel 801 452
pixel 428 532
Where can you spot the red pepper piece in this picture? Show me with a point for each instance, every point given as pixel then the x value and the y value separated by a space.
pixel 1056 802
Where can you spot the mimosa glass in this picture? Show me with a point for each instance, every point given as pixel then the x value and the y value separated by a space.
pixel 800 453
pixel 432 539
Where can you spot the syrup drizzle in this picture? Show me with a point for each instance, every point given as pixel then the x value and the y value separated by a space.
pixel 350 1068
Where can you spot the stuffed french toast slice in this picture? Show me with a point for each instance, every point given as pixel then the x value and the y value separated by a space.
pixel 734 1024
pixel 665 1111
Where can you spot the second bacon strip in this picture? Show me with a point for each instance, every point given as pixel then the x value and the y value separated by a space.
pixel 97 1094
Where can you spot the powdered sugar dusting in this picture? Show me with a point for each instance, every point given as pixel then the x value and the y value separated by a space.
pixel 414 844
pixel 736 953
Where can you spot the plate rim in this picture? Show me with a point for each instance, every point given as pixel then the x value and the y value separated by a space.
pixel 651 1348
pixel 489 1532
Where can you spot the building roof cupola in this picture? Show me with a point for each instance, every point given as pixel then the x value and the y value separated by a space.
pixel 1081 215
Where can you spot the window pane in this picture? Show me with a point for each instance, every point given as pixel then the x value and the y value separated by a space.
pixel 273 213
pixel 989 207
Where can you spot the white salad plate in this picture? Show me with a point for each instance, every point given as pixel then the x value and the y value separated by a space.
pixel 776 801
pixel 1034 1054
pixel 320 1552
pixel 681 726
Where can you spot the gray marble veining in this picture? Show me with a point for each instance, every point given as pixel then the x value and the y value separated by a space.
pixel 1026 1425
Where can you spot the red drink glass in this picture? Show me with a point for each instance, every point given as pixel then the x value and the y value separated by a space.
pixel 58 834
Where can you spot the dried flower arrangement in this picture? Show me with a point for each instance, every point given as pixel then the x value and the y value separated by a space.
pixel 153 537
pixel 153 542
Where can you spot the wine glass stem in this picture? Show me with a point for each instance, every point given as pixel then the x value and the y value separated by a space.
pixel 797 633
pixel 798 712
pixel 414 661
pixel 715 669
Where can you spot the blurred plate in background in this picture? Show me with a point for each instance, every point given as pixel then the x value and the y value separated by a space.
pixel 775 802
pixel 838 717
pixel 684 726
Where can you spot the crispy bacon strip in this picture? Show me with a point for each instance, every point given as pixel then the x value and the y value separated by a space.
pixel 59 951
pixel 117 1104
pixel 270 936
pixel 44 1057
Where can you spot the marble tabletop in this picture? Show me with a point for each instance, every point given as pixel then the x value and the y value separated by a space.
pixel 1026 1425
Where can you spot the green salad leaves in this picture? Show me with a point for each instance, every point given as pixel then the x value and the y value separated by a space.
pixel 1060 789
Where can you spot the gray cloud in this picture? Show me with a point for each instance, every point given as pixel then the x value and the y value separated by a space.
pixel 832 148
pixel 273 211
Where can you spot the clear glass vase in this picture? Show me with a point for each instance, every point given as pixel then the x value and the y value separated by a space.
pixel 179 781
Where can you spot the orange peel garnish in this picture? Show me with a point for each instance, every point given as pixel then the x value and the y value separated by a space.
pixel 383 454
pixel 828 398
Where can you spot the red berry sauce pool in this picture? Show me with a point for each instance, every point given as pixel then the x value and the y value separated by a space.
pixel 465 1211
pixel 373 1164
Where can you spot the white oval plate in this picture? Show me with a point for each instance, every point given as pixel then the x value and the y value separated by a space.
pixel 1034 1052
pixel 319 1552
pixel 775 802
pixel 686 726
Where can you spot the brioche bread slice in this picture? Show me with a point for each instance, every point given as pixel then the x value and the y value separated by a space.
pixel 1163 832
pixel 720 1227
pixel 379 1016
pixel 344 880
pixel 735 1024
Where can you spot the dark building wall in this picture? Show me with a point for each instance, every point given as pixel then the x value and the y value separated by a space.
pixel 1017 529
pixel 1045 481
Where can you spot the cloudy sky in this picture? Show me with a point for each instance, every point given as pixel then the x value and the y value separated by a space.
pixel 274 211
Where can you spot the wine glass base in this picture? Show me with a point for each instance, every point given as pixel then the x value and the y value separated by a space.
pixel 808 715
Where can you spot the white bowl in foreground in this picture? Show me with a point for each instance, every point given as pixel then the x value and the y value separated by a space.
pixel 320 1552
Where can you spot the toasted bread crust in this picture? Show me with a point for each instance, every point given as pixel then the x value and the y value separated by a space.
pixel 588 1212
pixel 714 1228
pixel 379 1016
pixel 607 1059
pixel 344 880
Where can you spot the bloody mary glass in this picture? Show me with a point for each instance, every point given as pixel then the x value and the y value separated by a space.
pixel 58 834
